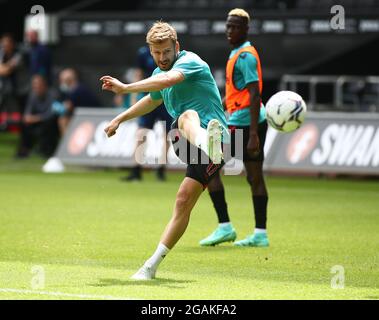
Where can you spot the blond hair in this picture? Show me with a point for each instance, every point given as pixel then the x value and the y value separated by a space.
pixel 240 13
pixel 159 32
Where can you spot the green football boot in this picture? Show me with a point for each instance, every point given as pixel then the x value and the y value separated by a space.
pixel 220 235
pixel 254 240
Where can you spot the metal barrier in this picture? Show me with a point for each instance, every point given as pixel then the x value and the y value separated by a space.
pixel 359 101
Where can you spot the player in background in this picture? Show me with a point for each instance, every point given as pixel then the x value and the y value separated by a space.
pixel 247 113
pixel 184 82
pixel 146 66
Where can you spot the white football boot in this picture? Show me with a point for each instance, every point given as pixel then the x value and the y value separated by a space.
pixel 144 273
pixel 214 135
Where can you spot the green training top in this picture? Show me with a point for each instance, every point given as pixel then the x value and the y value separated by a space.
pixel 197 92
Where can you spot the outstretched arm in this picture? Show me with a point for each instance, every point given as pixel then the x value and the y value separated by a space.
pixel 154 83
pixel 143 106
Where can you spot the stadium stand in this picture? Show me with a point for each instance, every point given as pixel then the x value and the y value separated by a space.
pixel 294 38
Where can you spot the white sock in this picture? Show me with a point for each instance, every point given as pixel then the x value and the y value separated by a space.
pixel 201 140
pixel 157 257
pixel 259 231
pixel 225 224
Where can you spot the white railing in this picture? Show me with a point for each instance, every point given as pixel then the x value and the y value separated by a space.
pixel 337 83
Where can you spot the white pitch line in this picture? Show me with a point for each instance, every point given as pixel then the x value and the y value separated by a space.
pixel 63 294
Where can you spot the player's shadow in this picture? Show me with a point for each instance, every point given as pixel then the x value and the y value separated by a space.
pixel 169 283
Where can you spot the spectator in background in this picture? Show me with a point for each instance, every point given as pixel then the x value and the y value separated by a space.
pixel 39 56
pixel 10 61
pixel 127 100
pixel 39 121
pixel 73 94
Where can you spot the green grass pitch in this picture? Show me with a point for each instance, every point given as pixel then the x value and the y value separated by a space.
pixel 87 233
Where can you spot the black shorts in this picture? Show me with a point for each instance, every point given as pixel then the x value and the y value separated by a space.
pixel 199 166
pixel 244 155
pixel 148 120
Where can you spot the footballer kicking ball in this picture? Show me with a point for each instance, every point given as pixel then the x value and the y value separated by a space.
pixel 285 111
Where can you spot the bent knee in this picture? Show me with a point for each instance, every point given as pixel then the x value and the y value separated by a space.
pixel 257 184
pixel 216 183
pixel 250 180
pixel 188 115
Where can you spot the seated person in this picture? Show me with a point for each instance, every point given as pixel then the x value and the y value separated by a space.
pixel 10 62
pixel 73 94
pixel 39 122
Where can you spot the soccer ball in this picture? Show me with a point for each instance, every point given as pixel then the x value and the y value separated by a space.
pixel 285 111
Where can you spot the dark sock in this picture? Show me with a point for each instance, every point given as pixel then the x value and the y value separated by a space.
pixel 219 203
pixel 161 172
pixel 134 174
pixel 260 211
pixel 136 171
